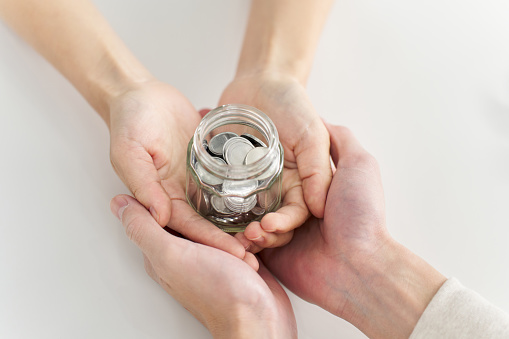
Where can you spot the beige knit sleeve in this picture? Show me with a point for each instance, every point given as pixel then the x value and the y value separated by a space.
pixel 457 312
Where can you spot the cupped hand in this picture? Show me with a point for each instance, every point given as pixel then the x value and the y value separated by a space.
pixel 307 170
pixel 221 291
pixel 150 127
pixel 325 255
pixel 347 263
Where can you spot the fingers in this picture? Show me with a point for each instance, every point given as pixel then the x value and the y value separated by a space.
pixel 136 168
pixel 139 225
pixel 256 239
pixel 288 319
pixel 313 162
pixel 293 212
pixel 191 225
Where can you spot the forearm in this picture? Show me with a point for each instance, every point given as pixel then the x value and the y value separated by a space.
pixel 78 41
pixel 389 293
pixel 282 36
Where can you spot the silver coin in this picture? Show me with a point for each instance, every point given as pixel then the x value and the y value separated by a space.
pixel 240 205
pixel 206 176
pixel 266 198
pixel 239 187
pixel 236 149
pixel 255 154
pixel 273 168
pixel 218 204
pixel 254 140
pixel 217 142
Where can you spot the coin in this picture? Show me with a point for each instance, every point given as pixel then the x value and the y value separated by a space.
pixel 217 142
pixel 239 187
pixel 255 154
pixel 218 204
pixel 206 146
pixel 240 205
pixel 207 177
pixel 254 140
pixel 236 149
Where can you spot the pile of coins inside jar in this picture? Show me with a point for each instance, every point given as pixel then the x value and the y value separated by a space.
pixel 228 148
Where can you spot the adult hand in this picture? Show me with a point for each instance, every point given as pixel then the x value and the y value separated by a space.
pixel 221 291
pixel 347 263
pixel 150 126
pixel 307 170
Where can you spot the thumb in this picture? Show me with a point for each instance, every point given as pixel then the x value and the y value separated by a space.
pixel 139 225
pixel 137 170
pixel 343 143
pixel 313 162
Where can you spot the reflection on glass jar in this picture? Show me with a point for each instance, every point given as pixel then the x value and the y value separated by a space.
pixel 234 167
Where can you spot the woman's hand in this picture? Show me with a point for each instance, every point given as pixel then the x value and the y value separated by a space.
pixel 307 169
pixel 151 125
pixel 221 291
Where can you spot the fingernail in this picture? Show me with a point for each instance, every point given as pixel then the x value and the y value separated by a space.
pixel 118 206
pixel 154 213
pixel 257 239
pixel 264 223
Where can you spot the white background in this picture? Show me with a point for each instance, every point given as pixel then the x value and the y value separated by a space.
pixel 424 85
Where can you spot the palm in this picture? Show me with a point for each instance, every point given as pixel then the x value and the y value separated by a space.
pixel 217 288
pixel 150 130
pixel 305 142
pixel 208 282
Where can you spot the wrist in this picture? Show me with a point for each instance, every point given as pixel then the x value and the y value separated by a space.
pixel 282 36
pixel 243 322
pixel 112 78
pixel 273 63
pixel 389 293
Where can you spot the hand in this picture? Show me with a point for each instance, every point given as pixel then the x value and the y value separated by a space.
pixel 221 291
pixel 150 126
pixel 307 170
pixel 347 262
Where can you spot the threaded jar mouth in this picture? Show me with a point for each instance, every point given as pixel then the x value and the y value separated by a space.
pixel 236 114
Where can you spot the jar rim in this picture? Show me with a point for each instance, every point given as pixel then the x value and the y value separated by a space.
pixel 231 114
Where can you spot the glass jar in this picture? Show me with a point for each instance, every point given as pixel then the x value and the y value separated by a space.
pixel 234 167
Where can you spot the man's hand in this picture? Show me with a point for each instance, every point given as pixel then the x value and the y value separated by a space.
pixel 151 126
pixel 221 291
pixel 347 263
pixel 307 170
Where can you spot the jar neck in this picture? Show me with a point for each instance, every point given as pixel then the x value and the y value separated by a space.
pixel 241 115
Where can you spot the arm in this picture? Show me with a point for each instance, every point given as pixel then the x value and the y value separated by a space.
pixel 150 122
pixel 275 61
pixel 77 40
pixel 348 264
pixel 282 36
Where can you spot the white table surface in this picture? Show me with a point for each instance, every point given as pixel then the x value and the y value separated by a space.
pixel 424 85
